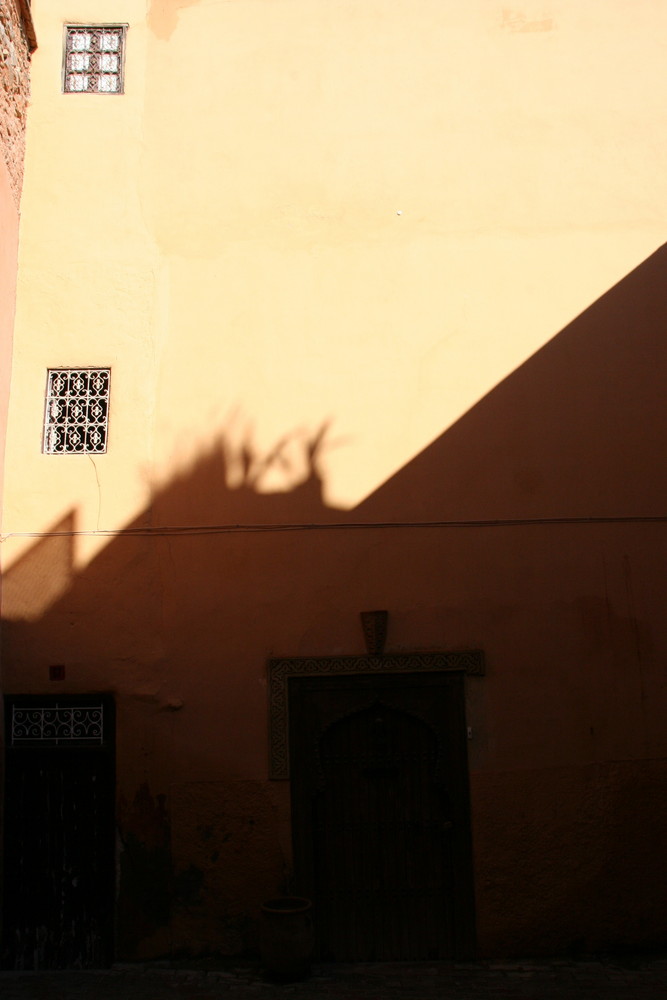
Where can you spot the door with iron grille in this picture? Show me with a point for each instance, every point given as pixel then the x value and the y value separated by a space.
pixel 380 814
pixel 59 833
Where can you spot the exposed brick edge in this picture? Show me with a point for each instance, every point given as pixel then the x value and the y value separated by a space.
pixel 28 25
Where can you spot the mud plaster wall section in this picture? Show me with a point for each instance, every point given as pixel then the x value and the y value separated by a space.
pixel 17 41
pixel 196 866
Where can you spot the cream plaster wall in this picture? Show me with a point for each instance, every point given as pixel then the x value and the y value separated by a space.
pixel 299 213
pixel 87 287
pixel 8 251
pixel 361 217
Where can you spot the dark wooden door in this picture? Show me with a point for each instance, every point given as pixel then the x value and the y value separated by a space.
pixel 59 834
pixel 381 816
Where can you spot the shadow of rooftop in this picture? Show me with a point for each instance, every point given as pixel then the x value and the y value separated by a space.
pixel 579 429
pixel 183 607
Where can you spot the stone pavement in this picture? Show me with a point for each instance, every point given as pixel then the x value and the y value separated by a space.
pixel 558 980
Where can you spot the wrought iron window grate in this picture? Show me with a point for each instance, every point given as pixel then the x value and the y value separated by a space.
pixel 59 725
pixel 94 57
pixel 77 411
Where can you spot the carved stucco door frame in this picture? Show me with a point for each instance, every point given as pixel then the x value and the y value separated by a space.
pixel 470 662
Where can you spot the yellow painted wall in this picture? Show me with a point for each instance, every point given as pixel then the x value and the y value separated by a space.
pixel 227 235
pixel 385 235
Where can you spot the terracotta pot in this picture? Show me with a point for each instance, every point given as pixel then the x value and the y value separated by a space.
pixel 286 938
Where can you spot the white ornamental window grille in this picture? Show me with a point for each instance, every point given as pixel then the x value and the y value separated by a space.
pixel 58 725
pixel 76 415
pixel 94 58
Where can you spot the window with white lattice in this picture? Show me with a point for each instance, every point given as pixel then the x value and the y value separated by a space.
pixel 76 415
pixel 94 56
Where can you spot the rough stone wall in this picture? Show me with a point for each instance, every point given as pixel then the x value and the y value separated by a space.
pixel 15 47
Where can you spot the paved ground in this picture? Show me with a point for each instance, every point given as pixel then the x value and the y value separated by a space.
pixel 609 980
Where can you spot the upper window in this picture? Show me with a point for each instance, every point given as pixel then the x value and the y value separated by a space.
pixel 77 411
pixel 94 56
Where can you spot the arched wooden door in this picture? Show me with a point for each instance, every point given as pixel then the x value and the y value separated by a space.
pixel 380 814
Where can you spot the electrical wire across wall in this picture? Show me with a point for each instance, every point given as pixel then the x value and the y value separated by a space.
pixel 227 529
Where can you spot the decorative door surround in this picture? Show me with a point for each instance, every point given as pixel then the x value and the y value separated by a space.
pixel 469 662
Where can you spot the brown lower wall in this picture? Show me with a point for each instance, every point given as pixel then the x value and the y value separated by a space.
pixel 569 860
pixel 569 745
pixel 196 866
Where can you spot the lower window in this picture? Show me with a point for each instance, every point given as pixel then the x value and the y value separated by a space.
pixel 77 411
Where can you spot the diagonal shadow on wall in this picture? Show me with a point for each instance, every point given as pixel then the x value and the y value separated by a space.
pixel 180 611
pixel 577 430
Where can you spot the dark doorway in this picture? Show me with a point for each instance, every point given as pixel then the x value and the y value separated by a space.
pixel 380 814
pixel 58 833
